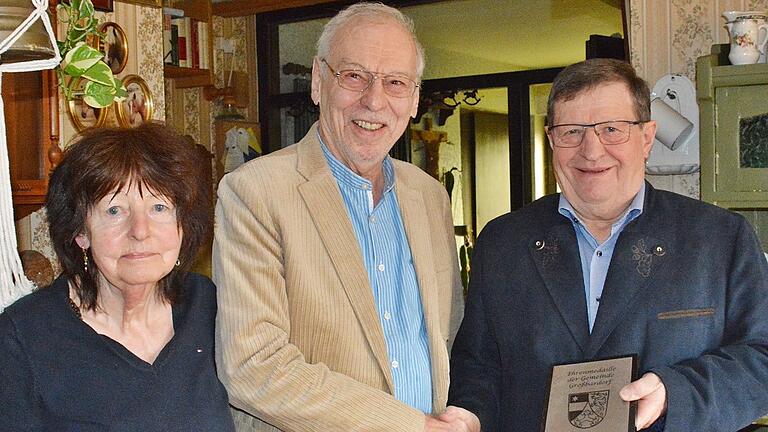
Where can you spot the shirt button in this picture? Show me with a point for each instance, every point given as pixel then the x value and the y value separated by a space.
pixel 387 315
pixel 599 253
pixel 395 364
pixel 365 186
pixel 380 267
pixel 373 219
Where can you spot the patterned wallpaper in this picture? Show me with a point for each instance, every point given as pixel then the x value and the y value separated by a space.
pixel 666 36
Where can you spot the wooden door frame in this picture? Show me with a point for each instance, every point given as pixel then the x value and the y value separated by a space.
pixel 518 115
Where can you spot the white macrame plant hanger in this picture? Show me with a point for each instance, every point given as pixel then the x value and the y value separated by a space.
pixel 13 282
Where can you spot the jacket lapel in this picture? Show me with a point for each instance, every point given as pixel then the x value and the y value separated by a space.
pixel 557 259
pixel 638 259
pixel 636 262
pixel 329 214
pixel 415 220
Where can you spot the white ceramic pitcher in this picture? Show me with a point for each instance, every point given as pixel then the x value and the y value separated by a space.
pixel 748 33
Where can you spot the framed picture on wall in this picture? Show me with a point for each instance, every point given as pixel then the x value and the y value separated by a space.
pixel 103 5
pixel 114 46
pixel 236 142
pixel 82 115
pixel 138 106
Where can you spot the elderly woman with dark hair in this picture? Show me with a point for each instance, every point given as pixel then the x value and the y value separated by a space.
pixel 123 339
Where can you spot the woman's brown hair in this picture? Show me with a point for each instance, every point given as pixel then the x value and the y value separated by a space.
pixel 153 158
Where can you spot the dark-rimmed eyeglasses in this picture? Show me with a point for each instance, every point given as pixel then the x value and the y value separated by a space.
pixel 610 132
pixel 360 80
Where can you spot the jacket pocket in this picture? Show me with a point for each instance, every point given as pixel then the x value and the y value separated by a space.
pixel 685 313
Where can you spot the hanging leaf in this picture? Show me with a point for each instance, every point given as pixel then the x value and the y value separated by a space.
pixel 83 61
pixel 85 8
pixel 120 92
pixel 98 95
pixel 80 59
pixel 100 73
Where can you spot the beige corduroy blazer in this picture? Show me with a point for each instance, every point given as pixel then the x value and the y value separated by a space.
pixel 299 342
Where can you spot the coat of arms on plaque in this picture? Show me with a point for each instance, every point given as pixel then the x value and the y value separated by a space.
pixel 586 410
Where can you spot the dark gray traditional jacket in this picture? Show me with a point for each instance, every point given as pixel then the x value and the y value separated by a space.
pixel 687 291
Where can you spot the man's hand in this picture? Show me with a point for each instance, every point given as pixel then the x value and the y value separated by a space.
pixel 453 419
pixel 651 395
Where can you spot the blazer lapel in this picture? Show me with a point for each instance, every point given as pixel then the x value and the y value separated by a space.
pixel 415 220
pixel 637 260
pixel 558 261
pixel 329 214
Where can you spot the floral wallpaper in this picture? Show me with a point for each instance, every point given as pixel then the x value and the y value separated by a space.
pixel 150 54
pixel 667 36
pixel 192 117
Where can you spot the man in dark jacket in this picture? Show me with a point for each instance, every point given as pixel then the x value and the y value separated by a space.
pixel 612 267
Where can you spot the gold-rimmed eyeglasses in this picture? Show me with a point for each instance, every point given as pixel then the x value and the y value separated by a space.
pixel 610 132
pixel 360 80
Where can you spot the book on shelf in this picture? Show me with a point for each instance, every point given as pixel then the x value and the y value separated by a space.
pixel 194 52
pixel 167 40
pixel 174 44
pixel 202 32
pixel 186 42
pixel 188 31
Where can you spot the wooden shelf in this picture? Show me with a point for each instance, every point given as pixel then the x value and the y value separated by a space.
pixel 185 77
pixel 197 9
pixel 236 8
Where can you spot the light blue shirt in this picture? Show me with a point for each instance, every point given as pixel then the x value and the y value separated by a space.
pixel 388 261
pixel 596 257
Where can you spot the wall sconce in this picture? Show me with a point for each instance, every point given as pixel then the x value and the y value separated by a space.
pixel 676 147
pixel 672 129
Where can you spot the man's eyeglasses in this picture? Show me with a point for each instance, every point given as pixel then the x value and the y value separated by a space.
pixel 360 80
pixel 608 132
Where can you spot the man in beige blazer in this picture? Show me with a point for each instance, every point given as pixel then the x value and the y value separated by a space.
pixel 301 342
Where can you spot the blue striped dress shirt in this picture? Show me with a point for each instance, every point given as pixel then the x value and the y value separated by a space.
pixel 387 258
pixel 596 257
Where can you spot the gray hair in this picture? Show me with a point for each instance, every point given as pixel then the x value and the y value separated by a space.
pixel 370 11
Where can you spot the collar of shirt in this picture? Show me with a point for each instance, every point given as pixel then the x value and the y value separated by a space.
pixel 350 179
pixel 634 210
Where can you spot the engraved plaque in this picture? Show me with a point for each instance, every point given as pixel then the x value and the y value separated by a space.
pixel 584 397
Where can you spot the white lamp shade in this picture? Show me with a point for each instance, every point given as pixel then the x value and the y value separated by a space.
pixel 672 129
pixel 673 107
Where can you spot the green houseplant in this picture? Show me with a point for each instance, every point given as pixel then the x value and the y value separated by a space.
pixel 80 60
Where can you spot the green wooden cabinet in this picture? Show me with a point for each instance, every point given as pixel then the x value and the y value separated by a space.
pixel 733 104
